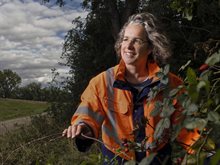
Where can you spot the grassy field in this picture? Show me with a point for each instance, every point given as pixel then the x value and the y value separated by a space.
pixel 12 108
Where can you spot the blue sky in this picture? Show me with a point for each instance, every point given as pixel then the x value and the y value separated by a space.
pixel 32 35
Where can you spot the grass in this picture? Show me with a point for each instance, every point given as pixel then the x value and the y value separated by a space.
pixel 13 108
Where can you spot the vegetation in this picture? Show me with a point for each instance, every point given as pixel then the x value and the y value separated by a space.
pixel 40 143
pixel 11 108
pixel 193 27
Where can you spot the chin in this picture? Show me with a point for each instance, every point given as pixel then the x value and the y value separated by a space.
pixel 129 62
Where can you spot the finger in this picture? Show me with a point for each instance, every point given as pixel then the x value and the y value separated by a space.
pixel 79 130
pixel 69 131
pixel 64 132
pixel 73 131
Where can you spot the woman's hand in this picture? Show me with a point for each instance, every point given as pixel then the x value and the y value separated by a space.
pixel 76 130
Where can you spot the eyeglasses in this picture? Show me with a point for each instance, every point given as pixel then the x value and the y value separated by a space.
pixel 134 41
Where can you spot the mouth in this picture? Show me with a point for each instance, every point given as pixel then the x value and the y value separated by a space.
pixel 129 54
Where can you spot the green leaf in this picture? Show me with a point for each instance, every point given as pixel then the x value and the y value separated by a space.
pixel 131 162
pixel 212 60
pixel 193 123
pixel 157 109
pixel 161 125
pixel 167 111
pixel 159 129
pixel 173 92
pixel 183 99
pixel 148 160
pixel 166 69
pixel 166 122
pixel 214 116
pixel 192 108
pixel 193 94
pixel 153 92
pixel 164 80
pixel 188 16
pixel 191 76
pixel 200 85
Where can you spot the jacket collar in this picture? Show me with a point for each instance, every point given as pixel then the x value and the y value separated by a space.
pixel 152 67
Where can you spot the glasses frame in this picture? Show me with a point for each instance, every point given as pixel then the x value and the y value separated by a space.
pixel 134 41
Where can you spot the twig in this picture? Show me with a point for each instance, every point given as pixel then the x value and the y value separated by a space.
pixel 216 108
pixel 202 145
pixel 215 83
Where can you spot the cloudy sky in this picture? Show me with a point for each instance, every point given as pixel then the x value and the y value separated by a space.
pixel 32 35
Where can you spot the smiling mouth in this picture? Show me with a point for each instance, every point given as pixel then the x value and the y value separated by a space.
pixel 129 54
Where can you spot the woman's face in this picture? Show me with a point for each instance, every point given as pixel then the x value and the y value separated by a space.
pixel 134 47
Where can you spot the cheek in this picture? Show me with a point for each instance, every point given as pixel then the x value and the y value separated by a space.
pixel 121 49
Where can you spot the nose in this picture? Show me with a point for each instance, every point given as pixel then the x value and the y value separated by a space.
pixel 130 44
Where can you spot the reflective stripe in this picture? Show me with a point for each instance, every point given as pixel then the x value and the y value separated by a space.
pixel 94 115
pixel 109 83
pixel 112 132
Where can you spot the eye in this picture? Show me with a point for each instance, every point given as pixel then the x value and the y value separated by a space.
pixel 138 41
pixel 125 39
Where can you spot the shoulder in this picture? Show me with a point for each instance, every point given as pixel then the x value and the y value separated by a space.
pixel 104 76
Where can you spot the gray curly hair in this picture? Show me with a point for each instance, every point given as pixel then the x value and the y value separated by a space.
pixel 158 41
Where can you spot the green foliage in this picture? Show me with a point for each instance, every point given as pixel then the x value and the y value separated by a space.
pixel 88 48
pixel 184 7
pixel 31 91
pixel 41 143
pixel 199 98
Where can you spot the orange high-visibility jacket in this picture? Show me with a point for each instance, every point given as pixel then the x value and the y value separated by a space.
pixel 110 109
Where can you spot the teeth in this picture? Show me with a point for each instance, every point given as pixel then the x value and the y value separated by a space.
pixel 129 54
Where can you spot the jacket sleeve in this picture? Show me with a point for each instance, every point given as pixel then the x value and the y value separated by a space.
pixel 83 145
pixel 90 110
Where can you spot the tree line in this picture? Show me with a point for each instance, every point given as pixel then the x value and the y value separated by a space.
pixel 10 88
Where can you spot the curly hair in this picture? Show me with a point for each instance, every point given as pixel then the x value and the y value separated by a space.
pixel 158 41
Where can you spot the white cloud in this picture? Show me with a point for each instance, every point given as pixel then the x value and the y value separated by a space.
pixel 31 37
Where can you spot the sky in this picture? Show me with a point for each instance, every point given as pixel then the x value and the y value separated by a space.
pixel 32 35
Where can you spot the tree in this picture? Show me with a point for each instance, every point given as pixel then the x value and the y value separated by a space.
pixel 31 91
pixel 9 81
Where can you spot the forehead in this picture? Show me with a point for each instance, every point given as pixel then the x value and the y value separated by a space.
pixel 135 30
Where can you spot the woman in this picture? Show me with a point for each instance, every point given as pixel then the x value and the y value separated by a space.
pixel 115 101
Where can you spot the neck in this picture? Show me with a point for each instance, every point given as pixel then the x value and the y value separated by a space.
pixel 135 74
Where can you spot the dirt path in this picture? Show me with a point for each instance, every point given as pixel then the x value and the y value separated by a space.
pixel 12 124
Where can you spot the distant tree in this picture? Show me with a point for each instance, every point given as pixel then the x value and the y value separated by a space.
pixel 9 81
pixel 31 91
